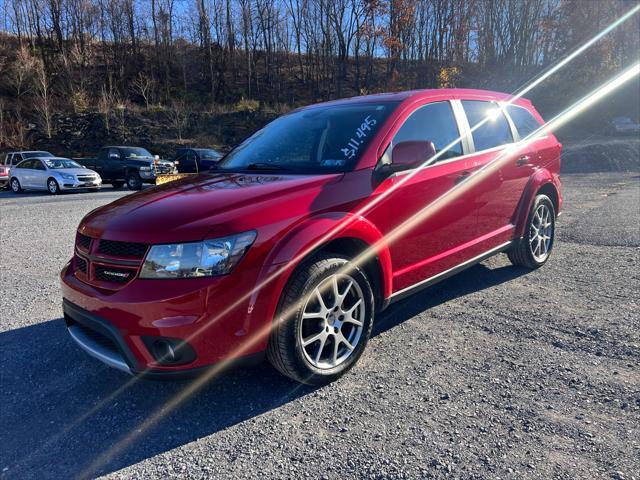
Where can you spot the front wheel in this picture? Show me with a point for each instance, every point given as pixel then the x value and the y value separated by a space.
pixel 52 186
pixel 134 182
pixel 533 250
pixel 324 321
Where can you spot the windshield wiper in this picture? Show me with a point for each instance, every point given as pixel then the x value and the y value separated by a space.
pixel 265 166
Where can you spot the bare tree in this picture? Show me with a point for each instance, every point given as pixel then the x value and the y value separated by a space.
pixel 179 116
pixel 43 103
pixel 143 85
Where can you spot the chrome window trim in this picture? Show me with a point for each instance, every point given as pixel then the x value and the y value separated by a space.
pixel 466 138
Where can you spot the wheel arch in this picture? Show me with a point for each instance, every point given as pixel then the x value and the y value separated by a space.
pixel 352 247
pixel 352 236
pixel 542 182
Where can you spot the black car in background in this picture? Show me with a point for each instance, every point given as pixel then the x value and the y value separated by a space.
pixel 131 165
pixel 194 160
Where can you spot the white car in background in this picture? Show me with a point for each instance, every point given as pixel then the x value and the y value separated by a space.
pixel 54 174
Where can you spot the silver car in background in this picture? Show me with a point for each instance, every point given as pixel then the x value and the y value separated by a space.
pixel 53 174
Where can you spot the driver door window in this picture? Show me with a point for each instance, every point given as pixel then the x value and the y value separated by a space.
pixel 436 123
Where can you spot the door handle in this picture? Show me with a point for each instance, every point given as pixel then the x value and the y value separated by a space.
pixel 523 160
pixel 461 178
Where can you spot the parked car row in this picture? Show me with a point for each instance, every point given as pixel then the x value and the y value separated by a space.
pixel 117 165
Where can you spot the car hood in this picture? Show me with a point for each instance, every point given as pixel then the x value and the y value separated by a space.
pixel 194 208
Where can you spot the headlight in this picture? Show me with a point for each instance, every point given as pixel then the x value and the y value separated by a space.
pixel 66 176
pixel 199 259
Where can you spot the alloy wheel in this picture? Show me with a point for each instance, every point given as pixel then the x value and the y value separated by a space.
pixel 53 186
pixel 332 321
pixel 541 233
pixel 15 186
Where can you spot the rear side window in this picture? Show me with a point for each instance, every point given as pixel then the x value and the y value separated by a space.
pixel 523 119
pixel 433 122
pixel 493 132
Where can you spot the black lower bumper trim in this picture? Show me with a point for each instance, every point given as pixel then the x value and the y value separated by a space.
pixel 74 313
pixel 190 373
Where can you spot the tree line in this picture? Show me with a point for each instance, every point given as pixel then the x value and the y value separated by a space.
pixel 62 55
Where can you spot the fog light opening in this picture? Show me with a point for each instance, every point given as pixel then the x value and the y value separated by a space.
pixel 169 351
pixel 164 352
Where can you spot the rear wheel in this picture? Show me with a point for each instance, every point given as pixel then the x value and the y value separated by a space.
pixel 117 184
pixel 324 321
pixel 533 250
pixel 15 185
pixel 134 182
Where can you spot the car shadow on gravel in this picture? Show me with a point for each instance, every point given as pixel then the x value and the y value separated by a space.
pixel 473 280
pixel 61 410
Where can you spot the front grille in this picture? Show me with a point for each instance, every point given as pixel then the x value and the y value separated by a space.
pixel 122 249
pixel 81 264
pixel 84 241
pixel 113 274
pixel 98 338
pixel 162 169
pixel 86 178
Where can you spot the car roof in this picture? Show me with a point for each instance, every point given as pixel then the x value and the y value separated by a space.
pixel 122 146
pixel 412 95
pixel 30 151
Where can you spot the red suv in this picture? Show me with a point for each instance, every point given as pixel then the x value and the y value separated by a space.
pixel 300 235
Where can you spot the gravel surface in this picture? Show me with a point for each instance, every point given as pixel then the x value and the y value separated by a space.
pixel 497 372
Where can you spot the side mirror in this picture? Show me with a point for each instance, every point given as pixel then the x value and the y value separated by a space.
pixel 412 154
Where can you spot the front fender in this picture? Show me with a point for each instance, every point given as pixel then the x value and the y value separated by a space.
pixel 301 242
pixel 542 178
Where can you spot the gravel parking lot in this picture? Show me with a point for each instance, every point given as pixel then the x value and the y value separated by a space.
pixel 498 372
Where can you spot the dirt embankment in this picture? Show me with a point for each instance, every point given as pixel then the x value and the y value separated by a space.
pixel 603 154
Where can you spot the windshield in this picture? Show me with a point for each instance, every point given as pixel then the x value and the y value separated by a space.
pixel 315 140
pixel 36 154
pixel 206 154
pixel 132 152
pixel 61 163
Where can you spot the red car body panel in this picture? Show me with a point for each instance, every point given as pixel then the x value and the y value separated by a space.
pixel 229 316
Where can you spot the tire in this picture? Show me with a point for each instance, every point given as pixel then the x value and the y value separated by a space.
pixel 533 250
pixel 15 186
pixel 134 182
pixel 118 184
pixel 52 186
pixel 346 320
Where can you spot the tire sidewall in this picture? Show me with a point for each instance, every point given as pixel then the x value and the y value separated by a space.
pixel 540 199
pixel 17 189
pixel 137 181
pixel 300 292
pixel 57 187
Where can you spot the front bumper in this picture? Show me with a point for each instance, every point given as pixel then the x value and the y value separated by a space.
pixel 115 326
pixel 147 177
pixel 98 338
pixel 77 185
